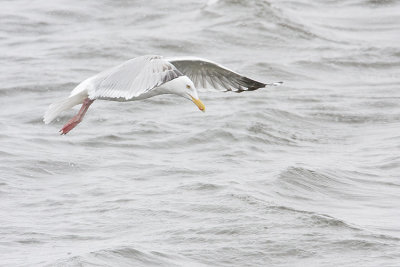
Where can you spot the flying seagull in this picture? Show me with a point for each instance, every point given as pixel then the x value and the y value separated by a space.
pixel 148 76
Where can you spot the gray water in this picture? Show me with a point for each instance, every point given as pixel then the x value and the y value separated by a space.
pixel 305 174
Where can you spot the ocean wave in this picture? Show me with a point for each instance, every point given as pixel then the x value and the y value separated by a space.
pixel 121 256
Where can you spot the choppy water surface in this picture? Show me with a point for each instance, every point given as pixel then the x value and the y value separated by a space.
pixel 306 174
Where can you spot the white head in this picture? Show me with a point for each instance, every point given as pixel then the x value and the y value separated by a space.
pixel 184 87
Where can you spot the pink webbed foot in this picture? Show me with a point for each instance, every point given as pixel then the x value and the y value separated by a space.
pixel 71 124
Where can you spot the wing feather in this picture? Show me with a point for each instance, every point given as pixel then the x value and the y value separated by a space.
pixel 206 73
pixel 133 78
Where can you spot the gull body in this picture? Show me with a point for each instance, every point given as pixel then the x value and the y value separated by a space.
pixel 147 76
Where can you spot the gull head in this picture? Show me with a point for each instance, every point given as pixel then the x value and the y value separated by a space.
pixel 184 87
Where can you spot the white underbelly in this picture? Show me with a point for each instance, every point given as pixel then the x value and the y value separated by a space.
pixel 152 93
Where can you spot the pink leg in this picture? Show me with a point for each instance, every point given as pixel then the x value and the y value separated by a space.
pixel 78 117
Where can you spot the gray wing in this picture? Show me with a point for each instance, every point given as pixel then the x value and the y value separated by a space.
pixel 210 75
pixel 133 78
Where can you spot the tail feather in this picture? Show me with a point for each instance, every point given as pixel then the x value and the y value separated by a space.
pixel 56 108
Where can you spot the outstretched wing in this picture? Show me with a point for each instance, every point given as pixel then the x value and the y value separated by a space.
pixel 133 78
pixel 210 75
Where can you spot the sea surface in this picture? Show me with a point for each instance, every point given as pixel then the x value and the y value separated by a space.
pixel 305 174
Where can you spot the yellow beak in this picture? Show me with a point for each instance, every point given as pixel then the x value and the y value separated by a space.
pixel 199 104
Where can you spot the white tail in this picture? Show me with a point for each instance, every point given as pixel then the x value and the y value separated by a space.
pixel 61 105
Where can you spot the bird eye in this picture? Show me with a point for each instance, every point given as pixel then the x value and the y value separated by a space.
pixel 188 86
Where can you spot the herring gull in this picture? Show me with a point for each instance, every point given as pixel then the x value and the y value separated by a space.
pixel 148 76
